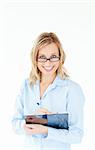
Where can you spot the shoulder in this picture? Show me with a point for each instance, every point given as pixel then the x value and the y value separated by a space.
pixel 74 86
pixel 71 86
pixel 69 83
pixel 75 91
pixel 25 83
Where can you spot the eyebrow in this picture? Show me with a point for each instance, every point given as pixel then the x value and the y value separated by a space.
pixel 46 54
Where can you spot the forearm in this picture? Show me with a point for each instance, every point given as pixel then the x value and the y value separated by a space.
pixel 18 126
pixel 65 136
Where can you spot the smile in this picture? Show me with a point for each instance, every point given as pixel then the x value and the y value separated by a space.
pixel 48 68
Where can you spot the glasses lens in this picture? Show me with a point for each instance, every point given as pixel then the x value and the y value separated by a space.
pixel 51 59
pixel 42 59
pixel 54 59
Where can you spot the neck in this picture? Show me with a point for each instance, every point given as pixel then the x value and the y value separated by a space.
pixel 47 79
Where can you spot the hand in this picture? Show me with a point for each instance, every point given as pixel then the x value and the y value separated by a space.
pixel 35 129
pixel 42 111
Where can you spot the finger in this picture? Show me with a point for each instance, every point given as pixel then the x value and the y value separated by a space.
pixel 28 130
pixel 32 130
pixel 43 110
pixel 33 126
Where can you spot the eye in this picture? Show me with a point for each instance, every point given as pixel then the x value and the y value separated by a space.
pixel 42 57
pixel 53 56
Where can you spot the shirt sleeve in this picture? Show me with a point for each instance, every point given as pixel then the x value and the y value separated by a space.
pixel 75 105
pixel 18 120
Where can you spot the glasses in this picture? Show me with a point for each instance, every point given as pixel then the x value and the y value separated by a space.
pixel 51 59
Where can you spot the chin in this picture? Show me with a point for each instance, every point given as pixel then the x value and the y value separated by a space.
pixel 48 72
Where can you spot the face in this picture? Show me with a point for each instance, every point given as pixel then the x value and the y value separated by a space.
pixel 48 67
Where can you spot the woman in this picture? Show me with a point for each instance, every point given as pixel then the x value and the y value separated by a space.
pixel 49 90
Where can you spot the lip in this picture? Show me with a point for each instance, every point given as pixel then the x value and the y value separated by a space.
pixel 48 69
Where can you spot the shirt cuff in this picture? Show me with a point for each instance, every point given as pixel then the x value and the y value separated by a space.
pixel 51 133
pixel 22 126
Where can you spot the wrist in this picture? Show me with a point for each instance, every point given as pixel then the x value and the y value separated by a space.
pixel 46 130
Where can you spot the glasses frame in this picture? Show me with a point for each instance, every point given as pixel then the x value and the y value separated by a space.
pixel 46 59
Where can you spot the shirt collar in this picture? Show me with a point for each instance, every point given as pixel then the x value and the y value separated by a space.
pixel 57 81
pixel 60 82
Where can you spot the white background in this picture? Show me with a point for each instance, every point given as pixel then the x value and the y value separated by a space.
pixel 21 22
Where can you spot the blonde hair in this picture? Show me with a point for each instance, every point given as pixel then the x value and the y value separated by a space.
pixel 43 40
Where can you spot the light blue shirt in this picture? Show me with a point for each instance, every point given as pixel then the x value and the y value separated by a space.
pixel 62 96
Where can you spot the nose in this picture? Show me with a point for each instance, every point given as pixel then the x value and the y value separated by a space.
pixel 47 62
